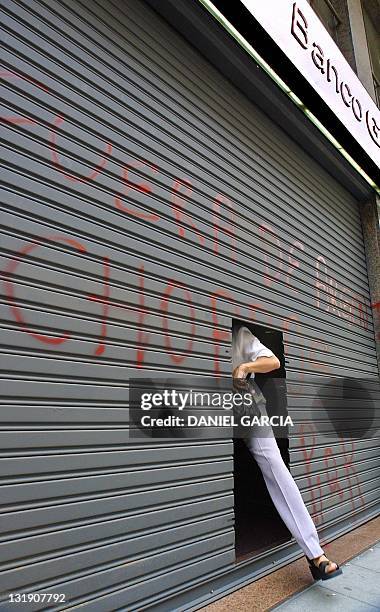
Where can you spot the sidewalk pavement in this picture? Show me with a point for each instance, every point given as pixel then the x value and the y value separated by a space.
pixel 287 585
pixel 356 590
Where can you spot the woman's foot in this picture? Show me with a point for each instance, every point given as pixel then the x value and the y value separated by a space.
pixel 322 568
pixel 331 567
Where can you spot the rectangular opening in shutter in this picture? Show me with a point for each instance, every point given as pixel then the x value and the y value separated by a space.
pixel 258 526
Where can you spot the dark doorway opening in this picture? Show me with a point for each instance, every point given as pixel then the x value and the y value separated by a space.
pixel 258 526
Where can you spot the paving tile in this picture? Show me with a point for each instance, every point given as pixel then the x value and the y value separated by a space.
pixel 318 599
pixel 370 559
pixel 358 582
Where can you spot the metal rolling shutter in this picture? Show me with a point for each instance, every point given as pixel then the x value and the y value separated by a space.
pixel 91 290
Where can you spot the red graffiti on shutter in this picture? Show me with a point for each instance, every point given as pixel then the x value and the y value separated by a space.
pixel 181 217
pixel 319 285
pixel 55 159
pixel 269 278
pixel 177 359
pixel 350 471
pixel 253 307
pixel 312 479
pixel 10 290
pixel 338 300
pixel 322 347
pixel 294 264
pixel 229 230
pixel 332 477
pixel 218 334
pixel 108 304
pixel 346 302
pixel 140 187
pixel 10 74
pixel 105 301
pixel 142 337
pixel 252 310
pixel 300 376
pixel 362 313
pixel 18 119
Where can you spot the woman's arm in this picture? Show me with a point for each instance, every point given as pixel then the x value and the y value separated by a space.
pixel 260 365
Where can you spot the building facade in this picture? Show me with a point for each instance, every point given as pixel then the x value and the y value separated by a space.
pixel 161 183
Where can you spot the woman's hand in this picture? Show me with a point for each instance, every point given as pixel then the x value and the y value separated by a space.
pixel 239 376
pixel 240 371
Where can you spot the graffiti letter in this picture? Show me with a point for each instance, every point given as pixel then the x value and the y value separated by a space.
pixel 70 177
pixel 268 277
pixel 164 306
pixel 318 283
pixel 10 292
pixel 104 300
pixel 140 187
pixel 142 337
pixel 227 229
pixel 218 334
pixel 177 205
pixel 293 263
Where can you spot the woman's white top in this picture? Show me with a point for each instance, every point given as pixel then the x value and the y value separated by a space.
pixel 246 347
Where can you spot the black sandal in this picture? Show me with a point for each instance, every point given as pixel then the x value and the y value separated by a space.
pixel 319 571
